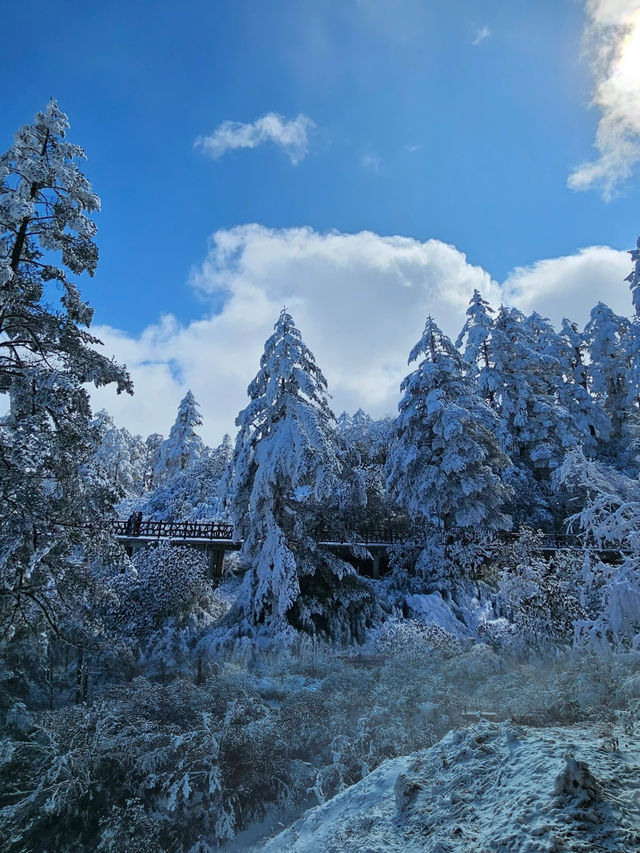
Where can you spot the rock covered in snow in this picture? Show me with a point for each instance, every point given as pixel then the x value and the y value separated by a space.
pixel 577 781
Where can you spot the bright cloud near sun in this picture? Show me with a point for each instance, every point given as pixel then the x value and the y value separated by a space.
pixel 360 301
pixel 613 35
pixel 292 135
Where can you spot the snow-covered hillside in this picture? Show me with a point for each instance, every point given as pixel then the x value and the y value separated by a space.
pixel 499 787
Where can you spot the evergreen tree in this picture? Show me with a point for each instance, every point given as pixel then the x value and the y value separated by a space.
pixel 634 277
pixel 365 445
pixel 193 494
pixel 152 448
pixel 285 465
pixel 535 429
pixel 633 336
pixel 580 419
pixel 589 418
pixel 184 446
pixel 46 355
pixel 445 463
pixel 120 456
pixel 475 337
pixel 607 334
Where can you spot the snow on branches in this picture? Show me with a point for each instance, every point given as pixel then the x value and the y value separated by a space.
pixel 445 463
pixel 285 464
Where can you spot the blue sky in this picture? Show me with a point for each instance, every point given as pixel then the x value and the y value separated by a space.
pixel 457 122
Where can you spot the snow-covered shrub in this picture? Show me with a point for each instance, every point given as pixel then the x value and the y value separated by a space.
pixel 415 636
pixel 164 604
pixel 438 581
pixel 171 581
pixel 609 520
pixel 145 751
pixel 537 603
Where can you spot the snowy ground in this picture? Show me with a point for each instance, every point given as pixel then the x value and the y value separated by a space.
pixel 490 788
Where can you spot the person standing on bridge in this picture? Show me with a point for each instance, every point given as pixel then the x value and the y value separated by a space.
pixel 131 523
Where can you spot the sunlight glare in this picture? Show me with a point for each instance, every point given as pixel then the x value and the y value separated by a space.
pixel 627 67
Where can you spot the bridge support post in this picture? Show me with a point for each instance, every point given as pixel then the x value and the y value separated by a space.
pixel 133 547
pixel 376 566
pixel 216 562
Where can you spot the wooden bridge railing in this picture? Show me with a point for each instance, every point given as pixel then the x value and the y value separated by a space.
pixel 379 535
pixel 211 530
pixel 363 536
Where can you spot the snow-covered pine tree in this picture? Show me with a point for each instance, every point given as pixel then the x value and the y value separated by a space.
pixel 153 445
pixel 576 412
pixel 445 463
pixel 634 277
pixel 46 356
pixel 573 389
pixel 284 468
pixel 535 430
pixel 607 334
pixel 120 456
pixel 475 342
pixel 633 336
pixel 184 446
pixel 190 495
pixel 365 444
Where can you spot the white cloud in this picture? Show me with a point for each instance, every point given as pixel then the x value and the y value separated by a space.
pixel 570 286
pixel 372 161
pixel 613 37
pixel 481 34
pixel 292 135
pixel 360 301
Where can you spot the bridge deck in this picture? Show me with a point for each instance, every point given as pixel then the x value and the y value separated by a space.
pixel 219 535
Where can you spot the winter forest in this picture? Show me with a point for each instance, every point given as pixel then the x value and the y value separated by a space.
pixel 425 634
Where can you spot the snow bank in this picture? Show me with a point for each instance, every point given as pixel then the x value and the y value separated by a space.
pixel 497 787
pixel 432 608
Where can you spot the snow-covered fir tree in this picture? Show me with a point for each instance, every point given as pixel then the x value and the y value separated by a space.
pixel 189 495
pixel 47 356
pixel 577 413
pixel 183 446
pixel 445 463
pixel 607 334
pixel 284 469
pixel 535 430
pixel 633 335
pixel 475 342
pixel 121 457
pixel 588 416
pixel 634 277
pixel 153 445
pixel 365 445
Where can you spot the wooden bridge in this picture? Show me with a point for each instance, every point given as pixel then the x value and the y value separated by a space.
pixel 216 538
pixel 222 532
pixel 186 531
pixel 213 537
